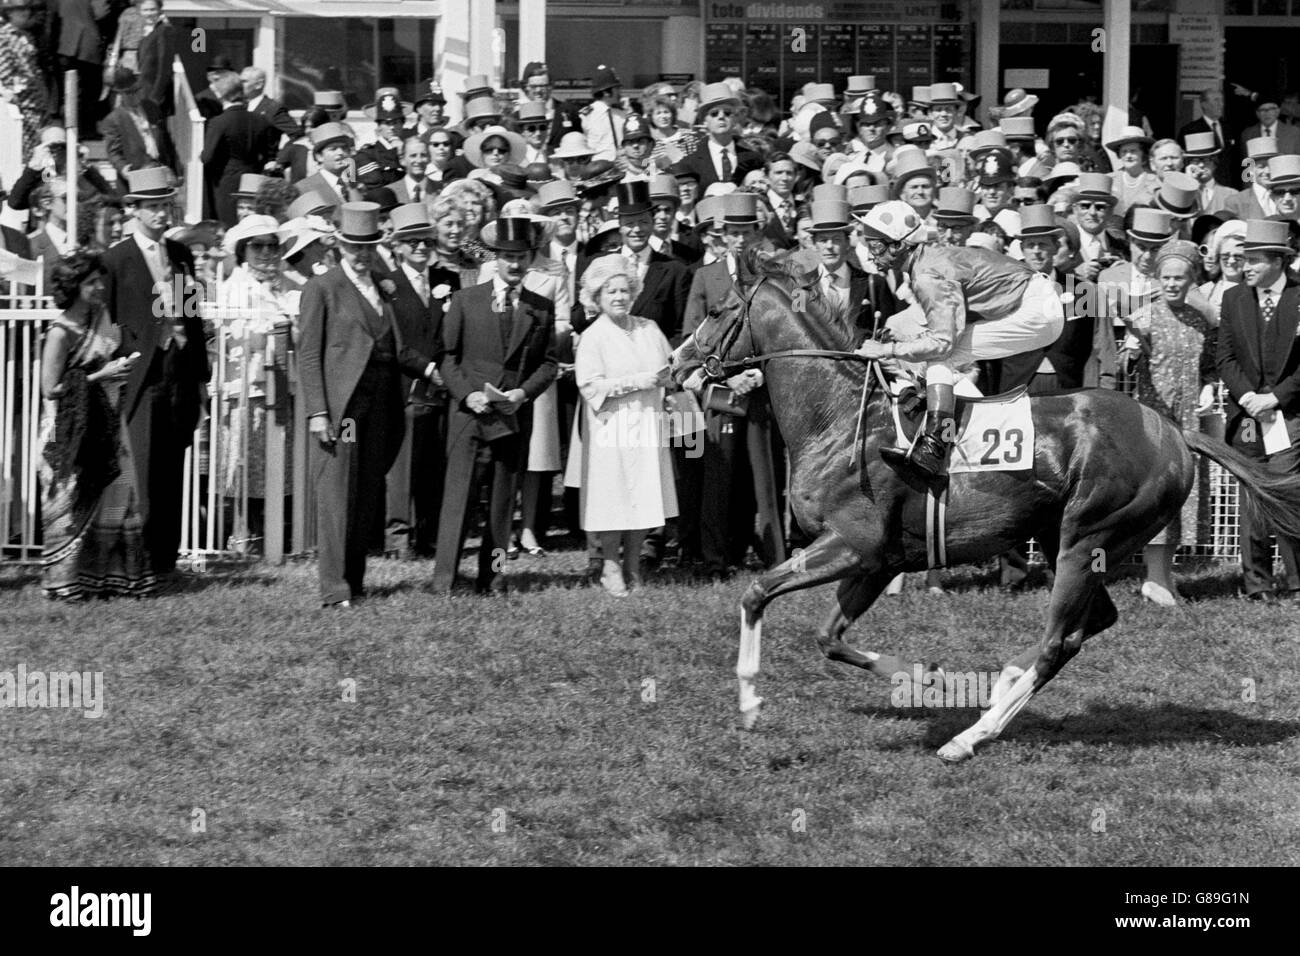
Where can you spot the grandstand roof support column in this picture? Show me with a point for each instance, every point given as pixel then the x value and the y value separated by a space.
pixel 1118 26
pixel 532 33
pixel 988 38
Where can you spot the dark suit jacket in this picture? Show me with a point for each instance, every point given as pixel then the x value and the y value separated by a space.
pixel 339 330
pixel 1228 168
pixel 277 114
pixel 236 142
pixel 1288 137
pixel 206 102
pixel 701 161
pixel 472 355
pixel 1253 357
pixel 403 194
pixel 869 294
pixel 1244 204
pixel 663 294
pixel 378 165
pixel 421 327
pixel 125 145
pixel 130 297
pixel 564 120
pixel 319 183
pixel 73 22
pixel 157 52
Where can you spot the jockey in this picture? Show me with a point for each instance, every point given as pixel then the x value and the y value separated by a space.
pixel 978 305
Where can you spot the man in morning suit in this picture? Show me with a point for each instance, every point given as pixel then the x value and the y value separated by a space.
pixel 421 295
pixel 168 385
pixel 498 334
pixel 332 147
pixel 717 159
pixel 234 143
pixel 1259 362
pixel 351 388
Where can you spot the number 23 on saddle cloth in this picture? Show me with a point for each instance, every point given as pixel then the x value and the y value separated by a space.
pixel 994 433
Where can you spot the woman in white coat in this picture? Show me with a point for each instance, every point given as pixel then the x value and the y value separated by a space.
pixel 621 369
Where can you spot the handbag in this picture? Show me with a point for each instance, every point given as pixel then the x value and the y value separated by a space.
pixel 719 398
pixel 684 414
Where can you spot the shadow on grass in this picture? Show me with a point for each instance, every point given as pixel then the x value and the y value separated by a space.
pixel 1123 725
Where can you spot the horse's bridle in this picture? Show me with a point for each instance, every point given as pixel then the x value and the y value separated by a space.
pixel 718 370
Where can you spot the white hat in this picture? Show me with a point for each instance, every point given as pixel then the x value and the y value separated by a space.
pixel 247 228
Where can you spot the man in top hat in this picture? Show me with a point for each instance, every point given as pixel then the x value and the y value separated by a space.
pixel 954 214
pixel 944 106
pixel 250 184
pixel 348 357
pixel 718 158
pixel 1021 139
pixel 726 512
pixel 253 80
pixel 1259 362
pixel 135 133
pixel 914 181
pixel 602 118
pixel 162 398
pixel 531 123
pixel 379 162
pixel 634 155
pixel 865 300
pixel 206 100
pixel 918 105
pixel 331 146
pixel 429 103
pixel 1179 196
pixel 234 143
pixel 665 199
pixel 332 102
pixel 997 184
pixel 1268 107
pixel 561 116
pixel 1253 200
pixel 1099 246
pixel 1284 186
pixel 1211 122
pixel 1126 287
pixel 1203 154
pixel 420 297
pixel 498 356
pixel 979 305
pixel 384 262
pixel 480 113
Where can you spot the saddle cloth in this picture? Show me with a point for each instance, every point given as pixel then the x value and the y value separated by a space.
pixel 994 432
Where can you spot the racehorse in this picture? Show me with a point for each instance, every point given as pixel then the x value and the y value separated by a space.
pixel 1108 474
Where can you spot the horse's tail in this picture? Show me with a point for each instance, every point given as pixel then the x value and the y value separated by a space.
pixel 1272 500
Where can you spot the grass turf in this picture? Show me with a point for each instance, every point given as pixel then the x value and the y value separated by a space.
pixel 560 726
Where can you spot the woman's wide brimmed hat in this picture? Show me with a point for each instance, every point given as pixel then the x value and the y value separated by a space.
pixel 298 233
pixel 1266 235
pixel 1130 134
pixel 204 232
pixel 154 182
pixel 511 234
pixel 573 146
pixel 1015 103
pixel 359 224
pixel 1151 225
pixel 474 145
pixel 248 228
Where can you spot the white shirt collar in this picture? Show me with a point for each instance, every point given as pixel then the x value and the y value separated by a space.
pixel 361 282
pixel 658 244
pixel 412 273
pixel 1275 290
pixel 643 256
pixel 255 101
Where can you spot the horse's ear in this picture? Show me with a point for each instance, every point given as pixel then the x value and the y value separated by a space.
pixel 804 264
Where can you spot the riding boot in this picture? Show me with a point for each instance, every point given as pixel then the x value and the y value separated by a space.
pixel 929 453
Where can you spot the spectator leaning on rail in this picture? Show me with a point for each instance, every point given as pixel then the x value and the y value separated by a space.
pixel 978 305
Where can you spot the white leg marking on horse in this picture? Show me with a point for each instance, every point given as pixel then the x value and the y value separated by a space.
pixel 995 720
pixel 1010 674
pixel 747 665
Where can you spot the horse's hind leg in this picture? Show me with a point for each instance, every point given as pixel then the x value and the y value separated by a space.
pixel 1068 618
pixel 829 558
pixel 852 600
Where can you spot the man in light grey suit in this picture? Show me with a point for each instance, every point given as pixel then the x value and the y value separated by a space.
pixel 414 186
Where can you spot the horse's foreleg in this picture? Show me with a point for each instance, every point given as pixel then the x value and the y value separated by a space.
pixel 829 558
pixel 852 600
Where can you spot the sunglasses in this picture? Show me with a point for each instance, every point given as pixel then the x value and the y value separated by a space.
pixel 427 242
pixel 496 149
pixel 724 114
pixel 1066 141
pixel 264 246
pixel 533 127
pixel 1287 192
pixel 440 143
pixel 833 141
pixel 1090 205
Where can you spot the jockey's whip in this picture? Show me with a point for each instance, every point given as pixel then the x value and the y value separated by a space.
pixel 862 404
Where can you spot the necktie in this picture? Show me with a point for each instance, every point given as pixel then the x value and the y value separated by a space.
pixel 422 287
pixel 1269 308
pixel 726 165
pixel 415 193
pixel 507 314
pixel 1214 128
pixel 1269 131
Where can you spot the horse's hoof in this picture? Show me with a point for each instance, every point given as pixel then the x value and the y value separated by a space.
pixel 749 717
pixel 954 751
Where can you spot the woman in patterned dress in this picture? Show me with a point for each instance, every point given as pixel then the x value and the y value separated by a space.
pixel 21 82
pixel 1175 369
pixel 90 509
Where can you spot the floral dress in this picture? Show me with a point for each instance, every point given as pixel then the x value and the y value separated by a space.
pixel 1177 358
pixel 21 80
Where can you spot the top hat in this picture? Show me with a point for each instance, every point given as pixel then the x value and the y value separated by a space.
pixel 477 84
pixel 1261 148
pixel 531 113
pixel 1017 127
pixel 1200 144
pixel 995 167
pixel 1060 173
pixel 944 93
pixel 359 223
pixel 635 127
pixel 707 212
pixel 327 133
pixel 328 100
pixel 739 209
pixel 862 198
pixel 823 93
pixel 511 234
pixel 514 143
pixel 829 191
pixel 955 203
pixel 715 95
pixel 1130 134
pixel 633 197
pixel 1284 170
pixel 604 79
pixel 985 140
pixel 387 104
pixel 664 187
pixel 480 108
pixel 1179 194
pixel 153 182
pixel 860 85
pixel 1095 187
pixel 972 100
pixel 411 221
pixel 533 69
pixel 1016 103
pixel 573 146
pixel 1151 225
pixel 1009 220
pixel 428 91
pixel 680 172
pixel 557 193
pixel 910 166
pixel 311 203
pixel 1038 220
pixel 920 96
pixel 1266 235
pixel 250 184
pixel 203 232
pixel 829 215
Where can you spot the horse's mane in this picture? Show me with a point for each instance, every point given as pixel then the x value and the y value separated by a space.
pixel 788 272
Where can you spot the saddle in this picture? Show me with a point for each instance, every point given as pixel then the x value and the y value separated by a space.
pixel 911 406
